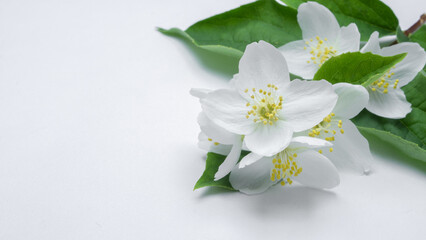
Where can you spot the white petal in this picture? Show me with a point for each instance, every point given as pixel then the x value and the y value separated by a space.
pixel 387 40
pixel 349 39
pixel 306 103
pixel 316 20
pixel 308 142
pixel 408 68
pixel 373 44
pixel 249 159
pixel 253 179
pixel 297 59
pixel 391 105
pixel 213 131
pixel 261 64
pixel 233 80
pixel 209 146
pixel 352 100
pixel 350 149
pixel 268 140
pixel 318 171
pixel 199 92
pixel 227 109
pixel 230 160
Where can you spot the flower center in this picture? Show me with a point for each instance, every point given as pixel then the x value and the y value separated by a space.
pixel 381 85
pixel 211 140
pixel 325 129
pixel 320 50
pixel 264 105
pixel 285 167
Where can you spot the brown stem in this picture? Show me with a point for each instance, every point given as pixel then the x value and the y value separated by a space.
pixel 413 28
pixel 416 25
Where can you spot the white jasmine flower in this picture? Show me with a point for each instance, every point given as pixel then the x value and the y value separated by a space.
pixel 214 138
pixel 323 38
pixel 298 162
pixel 264 106
pixel 350 148
pixel 206 143
pixel 386 97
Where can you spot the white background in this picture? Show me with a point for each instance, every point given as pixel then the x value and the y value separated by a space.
pixel 98 136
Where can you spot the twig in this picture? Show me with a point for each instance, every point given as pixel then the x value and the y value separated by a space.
pixel 413 28
pixel 416 25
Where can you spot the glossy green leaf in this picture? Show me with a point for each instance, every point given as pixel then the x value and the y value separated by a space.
pixel 408 135
pixel 213 162
pixel 400 36
pixel 368 15
pixel 230 32
pixel 419 36
pixel 395 142
pixel 356 68
pixel 221 49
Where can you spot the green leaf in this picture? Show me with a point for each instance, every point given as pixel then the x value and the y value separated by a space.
pixel 294 3
pixel 221 49
pixel 407 135
pixel 213 162
pixel 419 36
pixel 368 15
pixel 230 32
pixel 394 141
pixel 400 36
pixel 356 68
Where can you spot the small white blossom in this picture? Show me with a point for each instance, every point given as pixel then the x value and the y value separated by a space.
pixel 298 162
pixel 386 98
pixel 323 38
pixel 214 138
pixel 350 149
pixel 264 106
